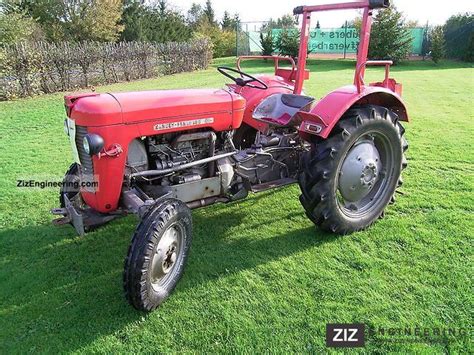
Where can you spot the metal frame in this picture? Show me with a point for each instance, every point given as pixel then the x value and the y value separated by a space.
pixel 366 26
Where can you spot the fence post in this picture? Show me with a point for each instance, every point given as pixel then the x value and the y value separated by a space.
pixel 345 38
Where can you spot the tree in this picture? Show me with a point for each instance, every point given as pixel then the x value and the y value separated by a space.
pixel 230 23
pixel 165 25
pixel 470 49
pixel 208 12
pixel 236 21
pixel 390 38
pixel 17 27
pixel 134 21
pixel 458 33
pixel 426 44
pixel 287 43
pixel 227 22
pixel 413 24
pixel 266 41
pixel 223 42
pixel 195 16
pixel 97 20
pixel 437 43
pixel 286 21
pixel 158 23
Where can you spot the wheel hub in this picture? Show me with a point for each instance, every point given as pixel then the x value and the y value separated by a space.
pixel 360 171
pixel 166 254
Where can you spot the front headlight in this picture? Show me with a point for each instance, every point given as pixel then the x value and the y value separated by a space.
pixel 92 143
pixel 85 144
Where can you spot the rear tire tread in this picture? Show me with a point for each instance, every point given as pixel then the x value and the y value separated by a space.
pixel 320 162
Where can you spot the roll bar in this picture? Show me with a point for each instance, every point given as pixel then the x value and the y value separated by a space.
pixel 371 4
pixel 359 80
pixel 305 11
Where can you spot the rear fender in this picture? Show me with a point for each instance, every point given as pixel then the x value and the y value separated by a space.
pixel 320 118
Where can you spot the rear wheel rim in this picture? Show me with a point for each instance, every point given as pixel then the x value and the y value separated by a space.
pixel 168 254
pixel 364 175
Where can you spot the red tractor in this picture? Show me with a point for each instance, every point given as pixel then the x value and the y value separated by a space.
pixel 159 154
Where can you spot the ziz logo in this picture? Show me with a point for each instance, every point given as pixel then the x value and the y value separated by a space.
pixel 345 335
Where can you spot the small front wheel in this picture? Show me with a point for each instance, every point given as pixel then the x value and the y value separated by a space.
pixel 70 185
pixel 157 254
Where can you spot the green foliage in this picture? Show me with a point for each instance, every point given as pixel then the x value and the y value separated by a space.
pixel 195 15
pixel 437 43
pixel 470 49
pixel 158 24
pixel 390 37
pixel 135 22
pixel 202 20
pixel 459 36
pixel 110 20
pixel 167 26
pixel 79 20
pixel 426 44
pixel 286 21
pixel 266 42
pixel 288 42
pixel 16 27
pixel 209 13
pixel 230 23
pixel 223 42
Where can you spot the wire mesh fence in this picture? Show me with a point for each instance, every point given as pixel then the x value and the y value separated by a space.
pixel 339 42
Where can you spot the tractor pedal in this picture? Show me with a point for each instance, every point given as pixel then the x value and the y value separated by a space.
pixel 273 184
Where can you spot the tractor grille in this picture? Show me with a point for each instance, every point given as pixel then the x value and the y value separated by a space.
pixel 86 168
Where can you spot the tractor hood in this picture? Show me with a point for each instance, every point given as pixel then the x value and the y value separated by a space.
pixel 96 110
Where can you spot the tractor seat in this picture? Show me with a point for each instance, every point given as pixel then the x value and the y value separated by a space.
pixel 280 109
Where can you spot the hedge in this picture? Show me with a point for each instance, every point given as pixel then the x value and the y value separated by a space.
pixel 34 68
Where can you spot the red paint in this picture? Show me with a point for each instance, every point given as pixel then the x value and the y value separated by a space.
pixel 253 97
pixel 327 111
pixel 121 117
pixel 302 53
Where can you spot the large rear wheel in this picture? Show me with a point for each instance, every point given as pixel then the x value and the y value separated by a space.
pixel 348 179
pixel 157 254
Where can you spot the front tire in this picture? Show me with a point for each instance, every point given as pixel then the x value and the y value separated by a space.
pixel 70 185
pixel 348 179
pixel 157 254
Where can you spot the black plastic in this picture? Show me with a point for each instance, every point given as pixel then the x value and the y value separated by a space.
pixel 298 10
pixel 96 143
pixel 379 4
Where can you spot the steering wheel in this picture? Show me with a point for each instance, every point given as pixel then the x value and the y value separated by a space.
pixel 244 79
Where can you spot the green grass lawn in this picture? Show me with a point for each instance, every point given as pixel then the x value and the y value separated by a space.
pixel 260 277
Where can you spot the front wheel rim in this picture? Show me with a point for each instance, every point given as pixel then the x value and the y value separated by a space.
pixel 364 175
pixel 167 255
